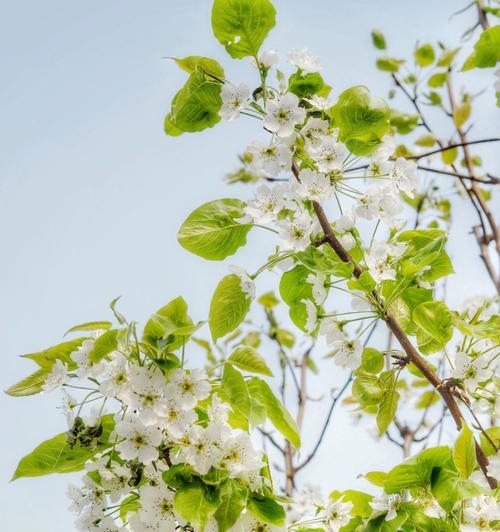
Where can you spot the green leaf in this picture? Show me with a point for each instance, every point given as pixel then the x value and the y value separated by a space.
pixel 389 64
pixel 362 119
pixel 178 475
pixel 325 260
pixel 31 385
pixel 378 40
pixel 57 456
pixel 234 496
pixel 236 390
pixel 425 55
pixel 104 345
pixel 494 435
pixel 276 412
pixel 196 106
pixel 486 51
pixel 403 122
pixel 267 509
pixel 450 488
pixel 212 230
pixel 229 306
pixel 446 58
pixel 438 80
pixel 91 326
pixel 360 502
pixel 45 359
pixel 436 321
pixel 387 410
pixel 242 25
pixel 196 504
pixel 305 85
pixel 170 326
pixel 461 114
pixel 193 62
pixel 129 504
pixel 377 478
pixel 416 472
pixel 293 290
pixel 247 359
pixel 372 360
pixel 368 389
pixel 464 452
pixel 427 139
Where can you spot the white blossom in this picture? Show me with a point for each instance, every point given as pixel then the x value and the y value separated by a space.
pixel 283 115
pixel 380 260
pixel 267 203
pixel 246 282
pixel 312 185
pixel 480 512
pixel 57 377
pixel 304 61
pixel 270 159
pixel 296 234
pixel 338 514
pixel 328 154
pixel 319 291
pixel 311 316
pixel 403 174
pixel 331 329
pixel 313 131
pixel 348 353
pixel 187 388
pixel 471 371
pixel 269 58
pixel 139 441
pixel 234 99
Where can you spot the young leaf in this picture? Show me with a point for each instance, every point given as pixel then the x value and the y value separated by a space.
pixel 192 62
pixel 229 306
pixel 450 488
pixel 425 55
pixel 267 510
pixel 57 456
pixel 361 118
pixel 45 359
pixel 416 472
pixel 31 385
pixel 242 25
pixel 464 452
pixel 91 326
pixel 233 500
pixel 435 320
pixel 247 359
pixel 212 230
pixel 387 409
pixel 378 40
pixel 196 106
pixel 196 503
pixel 276 412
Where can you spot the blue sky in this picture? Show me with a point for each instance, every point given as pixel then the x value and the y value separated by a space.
pixel 92 192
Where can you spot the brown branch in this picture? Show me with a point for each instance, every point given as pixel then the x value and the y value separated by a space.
pixel 482 20
pixel 464 143
pixel 491 181
pixel 476 192
pixel 412 354
pixel 271 439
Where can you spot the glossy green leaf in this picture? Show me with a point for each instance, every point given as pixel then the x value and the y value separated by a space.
pixel 196 503
pixel 193 62
pixel 248 359
pixel 362 119
pixel 196 106
pixel 212 230
pixel 425 55
pixel 464 452
pixel 228 307
pixel 276 412
pixel 378 40
pixel 242 25
pixel 57 456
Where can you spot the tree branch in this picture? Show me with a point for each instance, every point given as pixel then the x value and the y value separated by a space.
pixel 411 353
pixel 443 148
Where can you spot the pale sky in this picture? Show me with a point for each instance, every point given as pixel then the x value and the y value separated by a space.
pixel 92 192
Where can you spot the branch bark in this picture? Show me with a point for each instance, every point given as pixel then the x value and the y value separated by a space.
pixel 411 353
